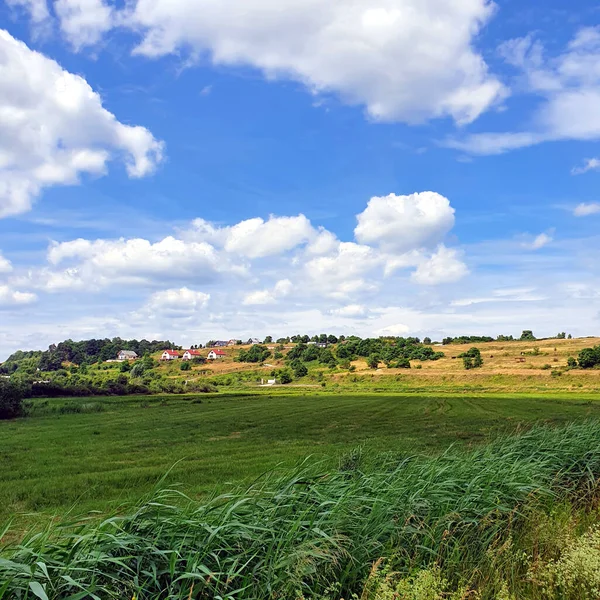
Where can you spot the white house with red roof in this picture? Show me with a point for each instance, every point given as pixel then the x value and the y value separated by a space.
pixel 189 354
pixel 169 355
pixel 215 354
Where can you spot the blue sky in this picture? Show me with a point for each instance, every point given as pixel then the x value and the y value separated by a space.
pixel 187 169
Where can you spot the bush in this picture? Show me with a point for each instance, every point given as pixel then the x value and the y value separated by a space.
pixel 185 366
pixel 571 363
pixel 373 361
pixel 589 357
pixel 285 376
pixel 472 359
pixel 11 399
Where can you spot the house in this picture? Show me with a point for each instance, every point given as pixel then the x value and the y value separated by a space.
pixel 127 355
pixel 189 354
pixel 253 341
pixel 215 354
pixel 169 355
pixel 220 344
pixel 234 342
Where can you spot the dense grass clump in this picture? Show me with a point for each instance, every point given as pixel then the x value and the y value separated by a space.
pixel 295 534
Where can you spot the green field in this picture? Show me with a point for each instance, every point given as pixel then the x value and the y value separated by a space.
pixel 116 449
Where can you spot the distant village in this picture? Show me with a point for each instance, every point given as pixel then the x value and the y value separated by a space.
pixel 214 350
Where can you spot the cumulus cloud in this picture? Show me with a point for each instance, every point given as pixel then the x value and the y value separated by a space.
pixel 83 22
pixel 404 60
pixel 53 129
pixel 568 86
pixel 100 263
pixel 10 297
pixel 175 303
pixel 404 223
pixel 352 311
pixel 590 164
pixel 444 266
pixel 585 209
pixel 257 238
pixel 281 289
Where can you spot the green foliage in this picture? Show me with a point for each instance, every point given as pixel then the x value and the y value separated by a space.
pixel 589 357
pixel 185 365
pixel 373 361
pixel 571 363
pixel 318 533
pixel 285 376
pixel 468 339
pixel 299 369
pixel 472 358
pixel 527 336
pixel 575 575
pixel 11 398
pixel 125 367
pixel 255 354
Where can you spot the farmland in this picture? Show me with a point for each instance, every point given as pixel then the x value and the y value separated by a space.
pixel 85 454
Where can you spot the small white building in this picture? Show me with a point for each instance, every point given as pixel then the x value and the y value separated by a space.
pixel 189 354
pixel 169 355
pixel 215 354
pixel 127 355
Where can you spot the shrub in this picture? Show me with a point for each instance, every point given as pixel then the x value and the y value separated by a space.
pixel 546 367
pixel 373 361
pixel 472 358
pixel 571 363
pixel 185 366
pixel 285 376
pixel 11 398
pixel 589 357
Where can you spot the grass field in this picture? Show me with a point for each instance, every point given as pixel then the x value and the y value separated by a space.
pixel 116 449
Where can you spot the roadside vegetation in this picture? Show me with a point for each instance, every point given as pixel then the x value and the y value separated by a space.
pixel 516 518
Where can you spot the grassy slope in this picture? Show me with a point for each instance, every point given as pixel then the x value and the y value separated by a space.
pixel 502 370
pixel 95 459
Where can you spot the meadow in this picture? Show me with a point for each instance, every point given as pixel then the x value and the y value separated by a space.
pixel 76 455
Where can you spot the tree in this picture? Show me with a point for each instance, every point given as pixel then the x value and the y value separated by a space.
pixel 299 368
pixel 285 376
pixel 11 399
pixel 561 336
pixel 427 341
pixel 138 369
pixel 185 366
pixel 527 336
pixel 569 337
pixel 125 367
pixel 589 357
pixel 571 363
pixel 472 359
pixel 373 361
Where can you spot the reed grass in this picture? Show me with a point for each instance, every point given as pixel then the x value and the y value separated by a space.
pixel 293 534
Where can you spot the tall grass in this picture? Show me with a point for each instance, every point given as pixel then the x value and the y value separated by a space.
pixel 293 534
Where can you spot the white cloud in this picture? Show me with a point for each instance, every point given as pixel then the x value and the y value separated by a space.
pixel 586 209
pixel 175 303
pixel 5 264
pixel 10 297
pixel 404 223
pixel 104 262
pixel 53 129
pixel 281 289
pixel 353 311
pixel 37 9
pixel 444 266
pixel 83 22
pixel 403 59
pixel 342 272
pixel 568 86
pixel 256 238
pixel 590 164
pixel 541 240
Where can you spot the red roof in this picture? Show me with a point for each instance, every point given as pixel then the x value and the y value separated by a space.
pixel 194 352
pixel 219 352
pixel 172 352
